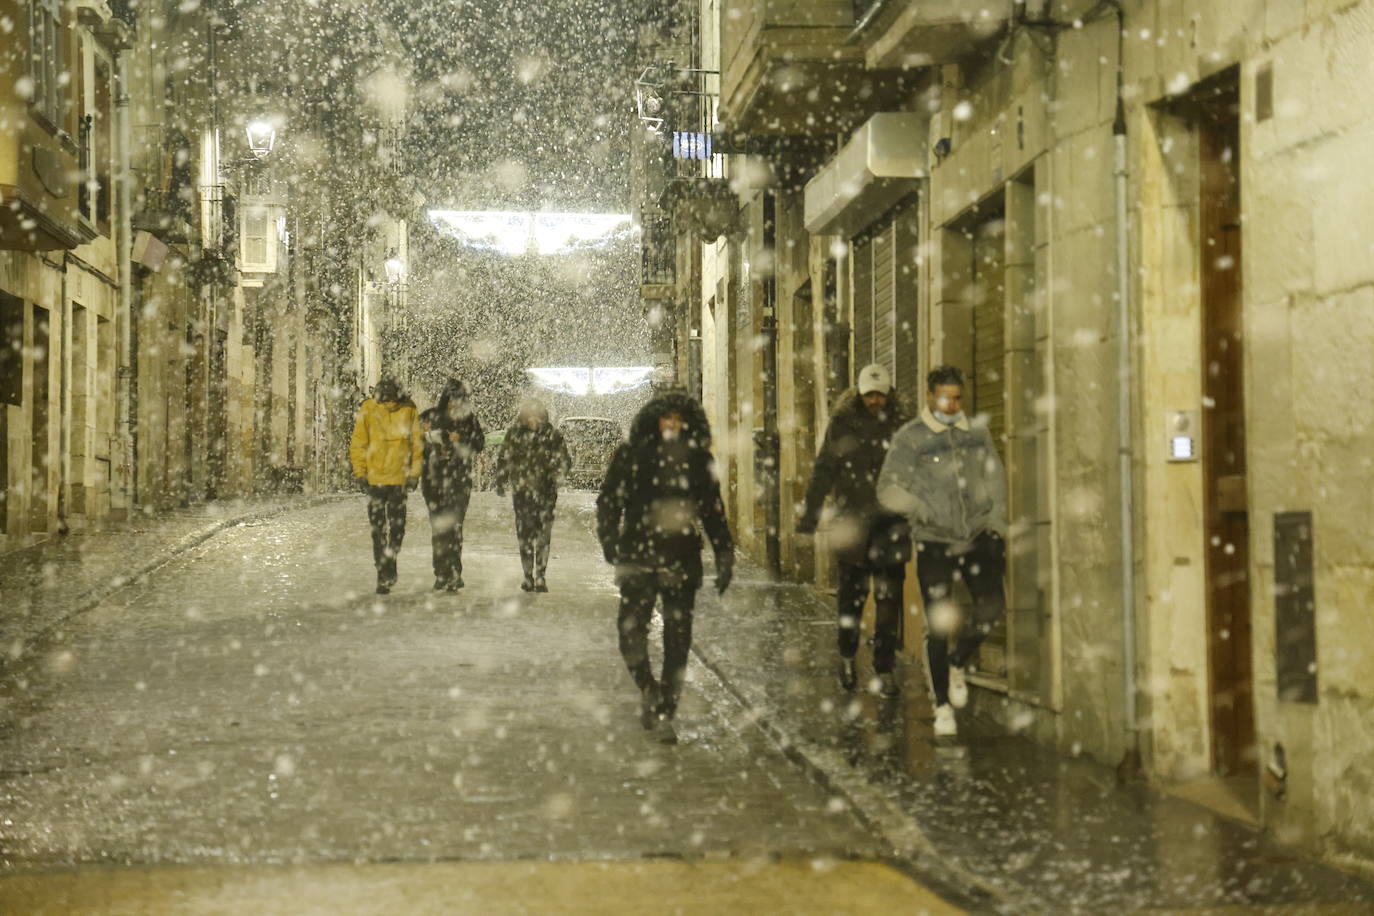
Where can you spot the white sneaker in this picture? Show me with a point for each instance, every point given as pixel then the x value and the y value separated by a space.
pixel 958 687
pixel 945 726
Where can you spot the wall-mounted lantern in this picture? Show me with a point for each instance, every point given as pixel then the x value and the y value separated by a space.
pixel 262 136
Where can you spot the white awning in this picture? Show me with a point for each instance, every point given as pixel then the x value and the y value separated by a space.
pixel 880 165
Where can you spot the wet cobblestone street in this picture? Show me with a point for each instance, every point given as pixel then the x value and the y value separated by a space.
pixel 251 703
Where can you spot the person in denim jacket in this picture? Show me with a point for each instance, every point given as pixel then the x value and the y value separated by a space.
pixel 944 475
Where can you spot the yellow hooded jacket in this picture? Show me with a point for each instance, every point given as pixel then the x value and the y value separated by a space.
pixel 387 443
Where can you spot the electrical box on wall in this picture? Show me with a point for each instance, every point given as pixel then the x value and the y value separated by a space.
pixel 1182 435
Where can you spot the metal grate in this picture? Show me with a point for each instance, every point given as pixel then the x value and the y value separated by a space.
pixel 1295 619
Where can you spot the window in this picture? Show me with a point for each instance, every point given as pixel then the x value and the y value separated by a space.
pixel 258 248
pixel 96 137
pixel 46 63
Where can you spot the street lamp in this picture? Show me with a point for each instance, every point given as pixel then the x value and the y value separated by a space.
pixel 261 138
pixel 395 268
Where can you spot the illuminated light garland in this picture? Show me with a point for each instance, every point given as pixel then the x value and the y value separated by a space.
pixel 515 232
pixel 580 380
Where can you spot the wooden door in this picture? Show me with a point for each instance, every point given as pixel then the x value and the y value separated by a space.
pixel 1223 452
pixel 40 459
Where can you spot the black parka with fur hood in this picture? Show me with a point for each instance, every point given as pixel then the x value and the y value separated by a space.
pixel 657 492
pixel 862 533
pixel 451 446
pixel 533 461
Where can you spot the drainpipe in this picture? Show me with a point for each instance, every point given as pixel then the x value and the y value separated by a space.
pixel 1130 763
pixel 127 383
pixel 64 400
pixel 870 16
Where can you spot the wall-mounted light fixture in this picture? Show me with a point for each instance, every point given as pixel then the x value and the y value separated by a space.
pixel 262 136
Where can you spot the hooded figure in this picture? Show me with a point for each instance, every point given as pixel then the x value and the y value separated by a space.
pixel 660 487
pixel 386 455
pixel 534 460
pixel 453 437
pixel 869 541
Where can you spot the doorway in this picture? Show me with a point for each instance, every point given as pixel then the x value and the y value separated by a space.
pixel 1226 515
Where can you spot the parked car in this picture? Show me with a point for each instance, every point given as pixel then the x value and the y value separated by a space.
pixel 484 468
pixel 591 442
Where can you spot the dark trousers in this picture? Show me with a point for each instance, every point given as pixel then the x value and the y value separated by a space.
pixel 640 589
pixel 983 570
pixel 446 514
pixel 534 529
pixel 887 601
pixel 386 511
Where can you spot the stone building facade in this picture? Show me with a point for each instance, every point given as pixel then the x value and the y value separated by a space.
pixel 1142 231
pixel 182 307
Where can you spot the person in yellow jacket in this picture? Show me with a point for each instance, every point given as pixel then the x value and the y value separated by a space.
pixel 386 453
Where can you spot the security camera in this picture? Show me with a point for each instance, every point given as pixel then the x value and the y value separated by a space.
pixel 942 147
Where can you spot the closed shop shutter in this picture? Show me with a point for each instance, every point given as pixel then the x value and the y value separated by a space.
pixel 906 372
pixel 884 296
pixel 863 303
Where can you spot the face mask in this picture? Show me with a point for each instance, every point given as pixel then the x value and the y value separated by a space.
pixel 949 419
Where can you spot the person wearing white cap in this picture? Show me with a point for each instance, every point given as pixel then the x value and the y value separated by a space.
pixel 943 473
pixel 869 542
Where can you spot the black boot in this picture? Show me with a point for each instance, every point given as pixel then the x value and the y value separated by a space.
pixel 649 701
pixel 541 563
pixel 664 730
pixel 527 563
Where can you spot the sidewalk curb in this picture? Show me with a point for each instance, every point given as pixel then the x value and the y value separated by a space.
pixel 912 851
pixel 900 831
pixel 93 597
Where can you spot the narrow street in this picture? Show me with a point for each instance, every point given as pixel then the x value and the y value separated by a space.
pixel 254 703
pixel 257 732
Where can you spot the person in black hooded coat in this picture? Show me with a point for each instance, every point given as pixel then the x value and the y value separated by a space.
pixel 534 459
pixel 452 438
pixel 869 542
pixel 660 486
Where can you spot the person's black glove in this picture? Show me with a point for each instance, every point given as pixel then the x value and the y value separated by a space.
pixel 608 551
pixel 411 484
pixel 725 571
pixel 500 491
pixel 362 484
pixel 806 524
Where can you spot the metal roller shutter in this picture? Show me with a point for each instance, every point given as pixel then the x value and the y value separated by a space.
pixel 884 296
pixel 863 303
pixel 906 373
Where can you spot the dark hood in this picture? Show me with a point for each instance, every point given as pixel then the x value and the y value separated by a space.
pixel 453 388
pixel 697 430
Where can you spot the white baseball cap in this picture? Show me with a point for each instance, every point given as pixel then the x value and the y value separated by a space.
pixel 874 377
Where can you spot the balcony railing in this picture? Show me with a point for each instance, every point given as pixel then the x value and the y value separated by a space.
pixel 126 11
pixel 218 221
pixel 680 107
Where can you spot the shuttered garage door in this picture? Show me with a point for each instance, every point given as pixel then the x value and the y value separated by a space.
pixel 906 253
pixel 863 303
pixel 885 298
